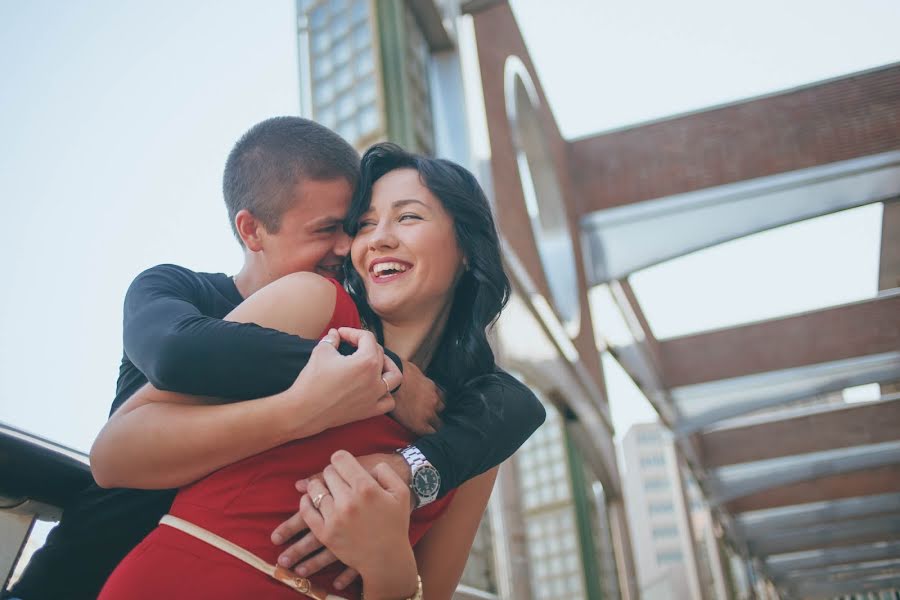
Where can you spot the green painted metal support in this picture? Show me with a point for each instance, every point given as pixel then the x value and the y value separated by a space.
pixel 392 27
pixel 582 498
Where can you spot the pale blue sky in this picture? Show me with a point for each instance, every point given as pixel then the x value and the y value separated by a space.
pixel 116 119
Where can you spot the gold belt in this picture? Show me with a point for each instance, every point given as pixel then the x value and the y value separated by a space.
pixel 285 576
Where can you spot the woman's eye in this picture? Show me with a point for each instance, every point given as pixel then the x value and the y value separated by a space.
pixel 410 216
pixel 364 224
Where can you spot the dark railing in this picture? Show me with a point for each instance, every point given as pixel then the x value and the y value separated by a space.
pixel 37 478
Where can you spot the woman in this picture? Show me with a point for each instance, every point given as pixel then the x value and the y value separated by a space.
pixel 426 258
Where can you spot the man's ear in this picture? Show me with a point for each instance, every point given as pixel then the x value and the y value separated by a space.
pixel 249 228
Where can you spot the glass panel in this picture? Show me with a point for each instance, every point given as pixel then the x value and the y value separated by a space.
pixel 360 10
pixel 345 106
pixel 347 130
pixel 321 67
pixel 730 397
pixel 343 77
pixel 342 51
pixel 326 116
pixel 363 65
pixel 318 17
pixel 320 42
pixel 361 36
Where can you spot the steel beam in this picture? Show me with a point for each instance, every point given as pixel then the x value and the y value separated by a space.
pixel 838 572
pixel 845 533
pixel 816 590
pixel 781 564
pixel 848 331
pixel 880 480
pixel 625 239
pixel 822 123
pixel 744 480
pixel 837 427
pixel 708 403
pixel 761 524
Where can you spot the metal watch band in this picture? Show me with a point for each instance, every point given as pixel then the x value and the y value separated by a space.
pixel 414 457
pixel 416 461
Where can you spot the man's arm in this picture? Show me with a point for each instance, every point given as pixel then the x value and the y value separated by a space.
pixel 179 349
pixel 162 444
pixel 483 426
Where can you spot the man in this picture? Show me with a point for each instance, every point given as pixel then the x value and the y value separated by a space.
pixel 287 185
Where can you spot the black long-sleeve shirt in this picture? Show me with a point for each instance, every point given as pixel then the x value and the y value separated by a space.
pixel 175 338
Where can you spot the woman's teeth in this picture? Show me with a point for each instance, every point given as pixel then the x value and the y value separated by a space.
pixel 388 268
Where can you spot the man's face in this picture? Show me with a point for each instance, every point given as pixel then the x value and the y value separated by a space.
pixel 311 236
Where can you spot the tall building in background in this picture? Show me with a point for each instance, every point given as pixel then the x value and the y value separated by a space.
pixel 661 509
pixel 364 68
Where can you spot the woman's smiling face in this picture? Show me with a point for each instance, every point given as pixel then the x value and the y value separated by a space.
pixel 405 249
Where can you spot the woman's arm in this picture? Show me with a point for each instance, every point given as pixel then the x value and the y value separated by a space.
pixel 442 553
pixel 163 439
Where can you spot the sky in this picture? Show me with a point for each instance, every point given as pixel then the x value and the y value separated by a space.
pixel 117 118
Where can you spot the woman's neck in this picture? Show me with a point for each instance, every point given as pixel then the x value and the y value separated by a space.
pixel 416 340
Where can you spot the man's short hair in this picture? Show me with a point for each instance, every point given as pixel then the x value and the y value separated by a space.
pixel 272 157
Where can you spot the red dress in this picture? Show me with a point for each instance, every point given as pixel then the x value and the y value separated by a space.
pixel 243 503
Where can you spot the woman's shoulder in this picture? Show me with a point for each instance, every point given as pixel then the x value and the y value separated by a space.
pixel 298 303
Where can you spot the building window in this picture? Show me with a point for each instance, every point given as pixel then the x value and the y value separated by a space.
pixel 649 437
pixel 343 74
pixel 653 460
pixel 555 565
pixel 660 508
pixel 668 557
pixel 665 532
pixel 550 523
pixel 656 483
pixel 479 569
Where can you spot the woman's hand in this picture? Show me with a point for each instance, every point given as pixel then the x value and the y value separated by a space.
pixel 364 520
pixel 295 528
pixel 336 389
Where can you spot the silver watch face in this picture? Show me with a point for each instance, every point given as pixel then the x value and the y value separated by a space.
pixel 426 482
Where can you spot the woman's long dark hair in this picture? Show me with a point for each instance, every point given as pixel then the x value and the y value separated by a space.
pixel 482 291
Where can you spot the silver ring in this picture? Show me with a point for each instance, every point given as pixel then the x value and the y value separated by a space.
pixel 327 341
pixel 318 500
pixel 387 388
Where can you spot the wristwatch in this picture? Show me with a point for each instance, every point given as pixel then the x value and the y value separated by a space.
pixel 425 481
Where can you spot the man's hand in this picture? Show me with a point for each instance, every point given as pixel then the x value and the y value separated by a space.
pixel 308 543
pixel 418 403
pixel 364 519
pixel 342 389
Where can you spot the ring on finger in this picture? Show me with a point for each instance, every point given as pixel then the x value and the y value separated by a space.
pixel 318 500
pixel 326 340
pixel 387 388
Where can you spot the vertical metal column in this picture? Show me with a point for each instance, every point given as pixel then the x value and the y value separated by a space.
pixel 618 522
pixel 15 527
pixel 510 539
pixel 694 571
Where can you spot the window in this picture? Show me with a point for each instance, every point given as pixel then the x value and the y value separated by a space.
pixel 668 557
pixel 342 69
pixel 660 508
pixel 665 532
pixel 649 437
pixel 656 483
pixel 653 460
